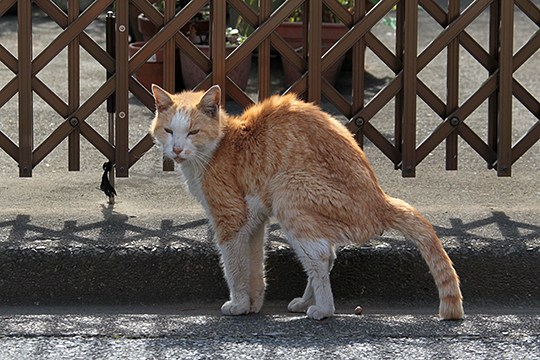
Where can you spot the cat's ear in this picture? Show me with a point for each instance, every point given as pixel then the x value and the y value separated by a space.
pixel 211 101
pixel 162 98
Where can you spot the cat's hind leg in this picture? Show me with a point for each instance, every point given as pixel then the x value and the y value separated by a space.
pixel 301 304
pixel 317 258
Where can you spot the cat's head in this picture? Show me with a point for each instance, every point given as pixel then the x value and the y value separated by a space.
pixel 187 125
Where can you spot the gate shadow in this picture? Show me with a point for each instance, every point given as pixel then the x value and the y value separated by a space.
pixel 114 229
pixel 518 234
pixel 119 230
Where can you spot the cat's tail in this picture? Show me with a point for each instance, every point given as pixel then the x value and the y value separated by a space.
pixel 408 221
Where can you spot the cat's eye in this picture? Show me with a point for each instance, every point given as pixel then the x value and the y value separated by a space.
pixel 193 132
pixel 168 131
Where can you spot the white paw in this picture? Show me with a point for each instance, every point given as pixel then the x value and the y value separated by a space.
pixel 317 313
pixel 256 305
pixel 233 308
pixel 298 305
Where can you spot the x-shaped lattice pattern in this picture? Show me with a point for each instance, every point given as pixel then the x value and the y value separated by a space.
pixel 500 61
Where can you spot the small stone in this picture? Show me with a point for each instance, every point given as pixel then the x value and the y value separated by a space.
pixel 358 310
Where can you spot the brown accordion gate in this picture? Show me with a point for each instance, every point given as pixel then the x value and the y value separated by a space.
pixel 499 90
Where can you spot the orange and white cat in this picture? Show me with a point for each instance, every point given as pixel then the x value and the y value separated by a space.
pixel 288 159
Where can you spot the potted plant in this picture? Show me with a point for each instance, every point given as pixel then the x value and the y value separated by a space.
pixel 193 74
pixel 151 72
pixel 147 28
pixel 292 31
pixel 63 4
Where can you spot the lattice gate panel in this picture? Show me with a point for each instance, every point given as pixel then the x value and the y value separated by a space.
pixel 500 90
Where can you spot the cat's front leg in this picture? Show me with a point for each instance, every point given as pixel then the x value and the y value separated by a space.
pixel 235 261
pixel 257 282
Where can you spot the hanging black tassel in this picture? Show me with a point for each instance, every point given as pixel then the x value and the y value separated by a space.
pixel 106 186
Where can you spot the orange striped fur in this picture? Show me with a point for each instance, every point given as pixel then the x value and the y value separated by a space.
pixel 287 159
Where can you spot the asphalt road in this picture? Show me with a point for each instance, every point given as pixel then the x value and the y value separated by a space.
pixel 198 331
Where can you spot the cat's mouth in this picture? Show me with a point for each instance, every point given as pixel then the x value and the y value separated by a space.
pixel 179 159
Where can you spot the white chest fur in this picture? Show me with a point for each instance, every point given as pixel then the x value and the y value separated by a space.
pixel 194 177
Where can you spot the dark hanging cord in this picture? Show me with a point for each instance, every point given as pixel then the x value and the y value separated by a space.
pixel 106 186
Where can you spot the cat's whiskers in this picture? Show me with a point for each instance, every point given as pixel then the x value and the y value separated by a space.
pixel 203 156
pixel 203 160
pixel 198 161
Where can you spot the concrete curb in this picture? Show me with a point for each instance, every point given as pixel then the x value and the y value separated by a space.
pixel 170 274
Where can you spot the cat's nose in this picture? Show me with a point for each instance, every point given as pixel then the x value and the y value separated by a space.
pixel 177 150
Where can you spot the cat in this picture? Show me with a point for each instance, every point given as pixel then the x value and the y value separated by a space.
pixel 288 159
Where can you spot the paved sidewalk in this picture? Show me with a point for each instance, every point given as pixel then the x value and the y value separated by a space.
pixel 60 243
pixel 198 331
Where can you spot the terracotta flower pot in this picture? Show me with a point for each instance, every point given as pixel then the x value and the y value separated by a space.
pixel 193 75
pixel 292 32
pixel 146 27
pixel 151 72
